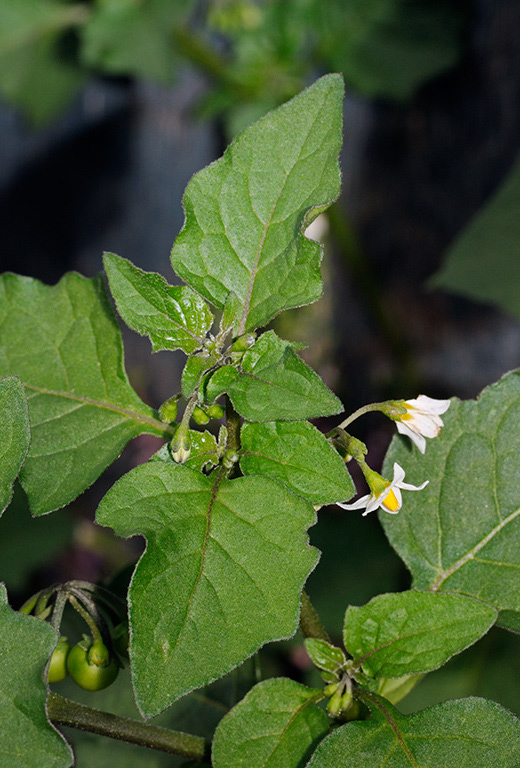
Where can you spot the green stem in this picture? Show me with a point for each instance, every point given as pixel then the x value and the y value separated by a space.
pixel 233 425
pixel 62 711
pixel 209 61
pixel 87 618
pixel 310 624
pixel 360 412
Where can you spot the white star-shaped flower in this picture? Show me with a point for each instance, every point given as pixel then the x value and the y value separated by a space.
pixel 422 419
pixel 384 494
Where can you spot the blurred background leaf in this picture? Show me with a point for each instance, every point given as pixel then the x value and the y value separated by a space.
pixel 28 543
pixel 484 261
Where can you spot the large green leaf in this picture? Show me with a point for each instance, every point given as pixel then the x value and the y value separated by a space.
pixel 275 726
pixel 484 261
pixel 298 455
pixel 274 383
pixel 174 317
pixel 28 739
pixel 35 72
pixel 133 37
pixel 409 632
pixel 456 734
pixel 245 213
pixel 463 532
pixel 222 574
pixel 65 345
pixel 390 48
pixel 15 435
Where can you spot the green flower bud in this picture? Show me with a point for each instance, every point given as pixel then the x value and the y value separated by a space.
pixel 230 457
pixel 180 446
pixel 243 342
pixel 334 703
pixel 168 410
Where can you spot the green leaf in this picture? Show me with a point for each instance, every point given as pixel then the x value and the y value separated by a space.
pixel 230 312
pixel 15 435
pixel 509 620
pixel 389 48
pixel 133 37
pixel 245 213
pixel 174 317
pixel 30 543
pixel 275 726
pixel 409 632
pixel 455 734
pixel 36 73
pixel 298 455
pixel 462 532
pixel 222 574
pixel 196 366
pixel 484 261
pixel 324 655
pixel 28 739
pixel 274 383
pixel 64 343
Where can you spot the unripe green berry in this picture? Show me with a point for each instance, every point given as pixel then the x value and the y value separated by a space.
pixel 215 411
pixel 58 664
pixel 199 416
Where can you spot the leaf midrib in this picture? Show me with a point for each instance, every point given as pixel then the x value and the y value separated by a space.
pixel 445 574
pixel 164 430
pixel 366 695
pixel 252 279
pixel 282 734
pixel 358 661
pixel 157 304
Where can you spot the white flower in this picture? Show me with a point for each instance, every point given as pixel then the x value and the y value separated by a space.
pixel 422 419
pixel 384 493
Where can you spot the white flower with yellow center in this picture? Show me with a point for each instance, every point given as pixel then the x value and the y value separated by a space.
pixel 422 419
pixel 383 493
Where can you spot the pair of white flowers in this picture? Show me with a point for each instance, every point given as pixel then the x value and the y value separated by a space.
pixel 421 419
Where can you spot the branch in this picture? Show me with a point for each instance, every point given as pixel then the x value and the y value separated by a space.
pixel 62 711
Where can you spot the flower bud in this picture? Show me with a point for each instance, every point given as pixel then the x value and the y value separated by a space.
pixel 180 446
pixel 168 410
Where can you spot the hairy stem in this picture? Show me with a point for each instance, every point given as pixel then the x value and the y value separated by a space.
pixel 62 711
pixel 360 411
pixel 310 624
pixel 233 426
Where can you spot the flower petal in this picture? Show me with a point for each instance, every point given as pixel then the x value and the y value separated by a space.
pixel 410 487
pixel 373 503
pixel 398 475
pixel 362 502
pixel 418 439
pixel 429 404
